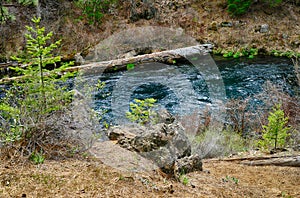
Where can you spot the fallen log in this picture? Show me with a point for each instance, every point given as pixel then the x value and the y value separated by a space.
pixel 121 64
pixel 282 161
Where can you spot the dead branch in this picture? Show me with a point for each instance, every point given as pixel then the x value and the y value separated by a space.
pixel 282 161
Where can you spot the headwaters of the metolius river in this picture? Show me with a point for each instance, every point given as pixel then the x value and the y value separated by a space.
pixel 181 89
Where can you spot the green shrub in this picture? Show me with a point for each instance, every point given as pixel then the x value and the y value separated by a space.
pixel 94 10
pixel 37 158
pixel 141 111
pixel 275 133
pixel 238 7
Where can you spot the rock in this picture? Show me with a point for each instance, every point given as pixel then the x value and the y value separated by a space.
pixel 79 60
pixel 264 28
pixel 118 133
pixel 165 117
pixel 187 164
pixel 226 24
pixel 160 138
pixel 164 143
pixel 285 36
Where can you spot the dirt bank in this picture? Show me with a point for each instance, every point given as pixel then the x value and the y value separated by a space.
pixel 207 21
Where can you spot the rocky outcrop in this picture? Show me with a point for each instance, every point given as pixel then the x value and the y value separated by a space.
pixel 164 143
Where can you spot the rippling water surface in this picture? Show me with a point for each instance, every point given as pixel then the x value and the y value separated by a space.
pixel 183 88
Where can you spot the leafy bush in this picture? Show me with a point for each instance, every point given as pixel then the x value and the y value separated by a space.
pixel 238 7
pixel 37 158
pixel 31 103
pixel 275 133
pixel 94 9
pixel 141 111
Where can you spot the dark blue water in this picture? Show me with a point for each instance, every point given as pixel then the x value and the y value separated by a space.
pixel 242 78
pixel 184 87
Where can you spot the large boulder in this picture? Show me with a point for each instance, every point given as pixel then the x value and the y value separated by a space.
pixel 164 143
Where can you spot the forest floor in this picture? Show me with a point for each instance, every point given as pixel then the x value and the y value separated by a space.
pixel 89 177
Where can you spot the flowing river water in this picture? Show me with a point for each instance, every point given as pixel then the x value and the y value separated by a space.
pixel 184 88
pixel 181 89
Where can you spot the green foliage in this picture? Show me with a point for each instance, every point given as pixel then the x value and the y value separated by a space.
pixel 289 54
pixel 141 111
pixel 231 179
pixel 130 66
pixel 100 85
pixel 37 158
pixel 184 179
pixel 273 3
pixel 5 15
pixel 243 52
pixel 241 7
pixel 275 133
pixel 238 7
pixel 31 101
pixel 94 10
pixel 28 2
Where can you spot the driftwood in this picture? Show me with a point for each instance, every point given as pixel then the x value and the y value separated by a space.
pixel 120 64
pixel 275 160
pixel 254 158
pixel 282 161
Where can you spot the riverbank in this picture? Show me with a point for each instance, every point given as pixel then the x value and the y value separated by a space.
pixel 262 28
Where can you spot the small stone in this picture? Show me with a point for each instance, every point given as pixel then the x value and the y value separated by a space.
pixel 226 24
pixel 285 36
pixel 264 28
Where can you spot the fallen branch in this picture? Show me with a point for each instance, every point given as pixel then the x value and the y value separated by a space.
pixel 283 161
pixel 120 64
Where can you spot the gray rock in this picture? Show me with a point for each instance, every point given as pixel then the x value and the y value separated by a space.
pixel 187 164
pixel 164 143
pixel 264 28
pixel 226 24
pixel 285 36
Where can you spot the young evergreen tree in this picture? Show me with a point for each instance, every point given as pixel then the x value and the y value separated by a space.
pixel 275 133
pixel 37 95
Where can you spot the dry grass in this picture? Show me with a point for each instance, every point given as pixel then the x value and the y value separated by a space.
pixel 90 178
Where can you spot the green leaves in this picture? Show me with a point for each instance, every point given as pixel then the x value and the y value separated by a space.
pixel 37 157
pixel 238 7
pixel 130 66
pixel 141 111
pixel 94 9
